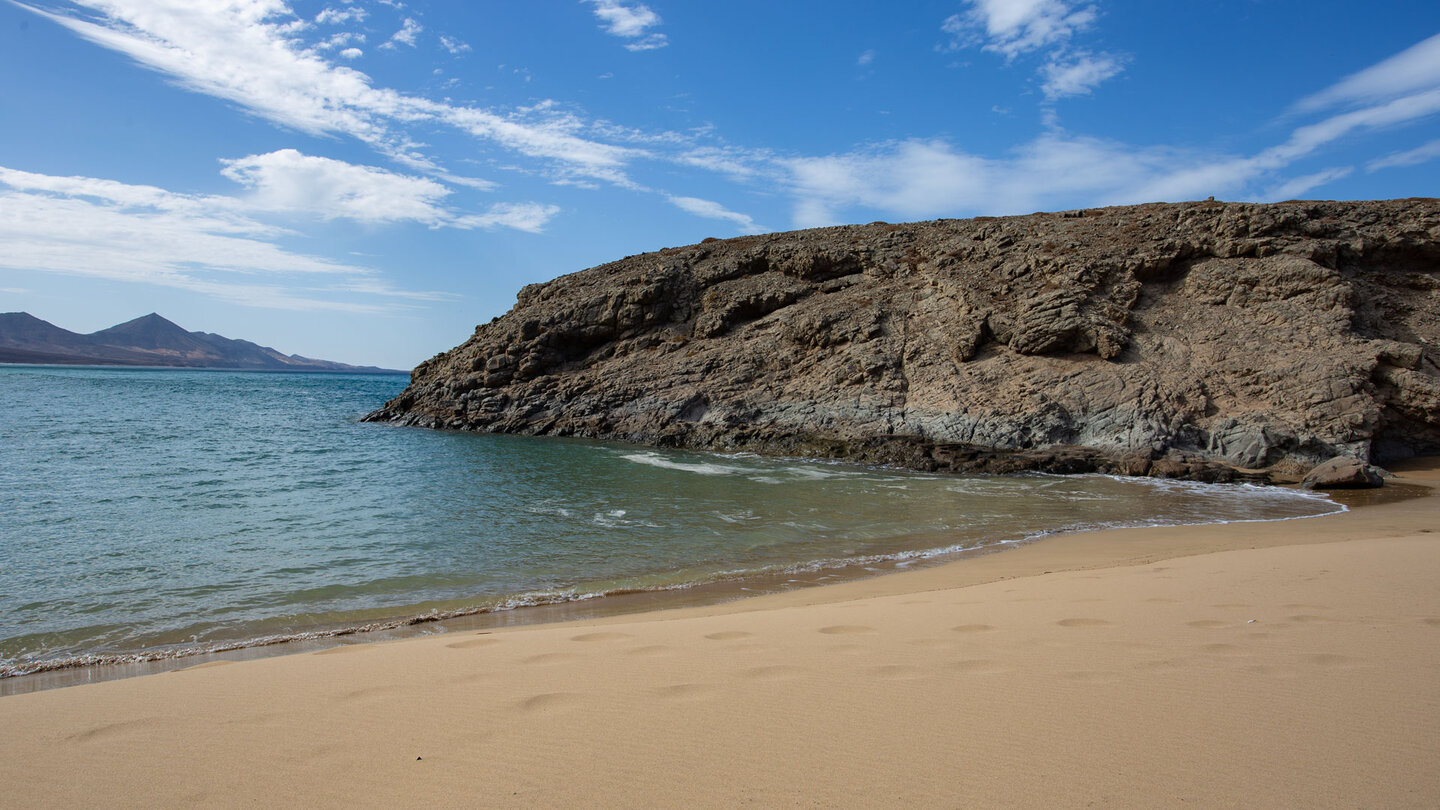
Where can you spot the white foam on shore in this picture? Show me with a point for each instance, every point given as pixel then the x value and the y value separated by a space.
pixel 657 460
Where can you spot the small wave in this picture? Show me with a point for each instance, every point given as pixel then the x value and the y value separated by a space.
pixel 656 460
pixel 739 517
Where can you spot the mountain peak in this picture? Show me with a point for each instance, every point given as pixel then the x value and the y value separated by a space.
pixel 149 340
pixel 149 332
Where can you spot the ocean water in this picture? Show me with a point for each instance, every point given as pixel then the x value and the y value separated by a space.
pixel 150 513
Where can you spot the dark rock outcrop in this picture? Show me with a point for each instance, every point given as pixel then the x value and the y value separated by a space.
pixel 1205 340
pixel 1343 473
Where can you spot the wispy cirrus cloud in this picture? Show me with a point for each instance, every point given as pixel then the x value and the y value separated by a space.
pixel 630 21
pixel 1413 70
pixel 531 217
pixel 246 52
pixel 1410 157
pixel 928 178
pixel 714 210
pixel 143 234
pixel 254 54
pixel 203 243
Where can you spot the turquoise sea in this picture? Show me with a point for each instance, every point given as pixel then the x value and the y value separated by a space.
pixel 149 513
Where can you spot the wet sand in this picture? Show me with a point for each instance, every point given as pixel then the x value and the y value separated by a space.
pixel 1287 664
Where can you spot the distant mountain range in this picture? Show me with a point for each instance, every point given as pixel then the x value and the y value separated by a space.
pixel 147 341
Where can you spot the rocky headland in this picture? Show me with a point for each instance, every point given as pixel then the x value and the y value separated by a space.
pixel 1207 340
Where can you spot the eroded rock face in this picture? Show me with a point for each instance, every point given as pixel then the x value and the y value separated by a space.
pixel 1181 340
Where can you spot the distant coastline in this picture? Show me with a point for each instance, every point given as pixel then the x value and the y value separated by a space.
pixel 150 341
pixel 379 372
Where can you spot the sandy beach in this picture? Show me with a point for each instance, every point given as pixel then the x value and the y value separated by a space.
pixel 1288 664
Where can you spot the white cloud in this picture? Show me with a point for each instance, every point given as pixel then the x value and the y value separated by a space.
pixel 352 53
pixel 532 217
pixel 1293 189
pixel 334 16
pixel 104 228
pixel 632 22
pixel 926 179
pixel 1014 27
pixel 866 58
pixel 238 50
pixel 339 40
pixel 714 210
pixel 929 178
pixel 1306 139
pixel 287 180
pixel 100 228
pixel 1078 73
pixel 405 36
pixel 1410 157
pixel 454 45
pixel 1414 69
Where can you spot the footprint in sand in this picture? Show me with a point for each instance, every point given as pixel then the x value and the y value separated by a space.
pixel 729 635
pixel 1433 621
pixel 973 628
pixel 934 643
pixel 471 643
pixel 343 648
pixel 1279 673
pixel 113 729
pixel 975 666
pixel 685 691
pixel 846 629
pixel 897 672
pixel 601 637
pixel 370 692
pixel 1091 676
pixel 650 650
pixel 1329 660
pixel 1083 623
pixel 1310 618
pixel 550 658
pixel 776 673
pixel 1159 665
pixel 551 701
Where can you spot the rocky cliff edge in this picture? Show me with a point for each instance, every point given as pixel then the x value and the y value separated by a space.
pixel 1204 340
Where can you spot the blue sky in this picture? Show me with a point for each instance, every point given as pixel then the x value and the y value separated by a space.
pixel 367 181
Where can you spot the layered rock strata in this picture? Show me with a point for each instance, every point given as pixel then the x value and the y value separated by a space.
pixel 1206 340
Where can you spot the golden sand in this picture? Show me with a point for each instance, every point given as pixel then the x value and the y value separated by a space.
pixel 1292 664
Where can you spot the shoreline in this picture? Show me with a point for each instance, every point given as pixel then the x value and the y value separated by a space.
pixel 1254 665
pixel 526 609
